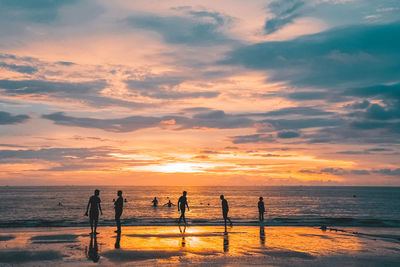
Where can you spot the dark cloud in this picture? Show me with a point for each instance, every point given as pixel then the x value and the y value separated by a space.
pixel 352 152
pixel 338 58
pixel 390 172
pixel 19 68
pixel 164 87
pixel 53 154
pixel 359 105
pixel 65 63
pixel 197 28
pixel 343 172
pixel 86 92
pixel 285 11
pixel 301 111
pixel 291 124
pixel 39 11
pixel 214 119
pixel 253 138
pixel 288 134
pixel 127 124
pixel 7 118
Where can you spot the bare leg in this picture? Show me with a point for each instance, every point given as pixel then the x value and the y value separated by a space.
pixel 95 226
pixel 91 225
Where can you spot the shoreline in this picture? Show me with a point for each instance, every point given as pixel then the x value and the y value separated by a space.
pixel 200 245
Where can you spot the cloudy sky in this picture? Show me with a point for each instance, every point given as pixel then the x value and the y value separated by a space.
pixel 179 92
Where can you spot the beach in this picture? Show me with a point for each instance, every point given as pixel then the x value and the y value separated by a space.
pixel 200 245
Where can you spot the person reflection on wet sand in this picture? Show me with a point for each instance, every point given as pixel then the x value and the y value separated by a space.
pixel 183 243
pixel 226 241
pixel 93 252
pixel 118 240
pixel 262 235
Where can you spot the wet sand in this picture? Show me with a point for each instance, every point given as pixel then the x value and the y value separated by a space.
pixel 200 245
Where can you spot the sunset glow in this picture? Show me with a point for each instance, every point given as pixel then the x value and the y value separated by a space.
pixel 199 92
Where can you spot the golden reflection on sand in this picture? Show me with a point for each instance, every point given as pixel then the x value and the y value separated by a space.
pixel 202 240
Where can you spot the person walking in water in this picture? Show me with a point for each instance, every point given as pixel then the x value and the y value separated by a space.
pixel 225 210
pixel 182 204
pixel 118 206
pixel 95 207
pixel 155 202
pixel 261 209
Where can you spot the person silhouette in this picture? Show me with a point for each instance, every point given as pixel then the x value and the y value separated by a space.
pixel 261 209
pixel 155 202
pixel 169 204
pixel 118 206
pixel 225 210
pixel 182 204
pixel 93 252
pixel 94 204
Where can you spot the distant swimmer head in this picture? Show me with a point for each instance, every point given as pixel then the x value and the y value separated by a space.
pixel 119 193
pixel 221 196
pixel 96 192
pixel 261 198
pixel 184 193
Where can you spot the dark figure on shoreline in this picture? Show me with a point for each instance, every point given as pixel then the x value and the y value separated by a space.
pixel 225 210
pixel 169 204
pixel 182 204
pixel 118 206
pixel 261 209
pixel 94 204
pixel 155 202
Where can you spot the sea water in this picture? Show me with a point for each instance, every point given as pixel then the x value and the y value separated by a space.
pixel 301 206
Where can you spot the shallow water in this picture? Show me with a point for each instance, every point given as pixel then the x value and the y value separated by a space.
pixel 332 206
pixel 203 245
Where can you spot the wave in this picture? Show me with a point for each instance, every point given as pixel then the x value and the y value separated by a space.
pixel 290 221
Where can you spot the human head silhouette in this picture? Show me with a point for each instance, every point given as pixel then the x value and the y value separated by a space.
pixel 96 192
pixel 184 193
pixel 119 193
pixel 221 197
pixel 261 198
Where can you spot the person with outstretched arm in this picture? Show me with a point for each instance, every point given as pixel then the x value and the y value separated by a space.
pixel 95 207
pixel 182 204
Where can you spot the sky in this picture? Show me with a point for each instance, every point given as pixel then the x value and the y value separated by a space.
pixel 179 92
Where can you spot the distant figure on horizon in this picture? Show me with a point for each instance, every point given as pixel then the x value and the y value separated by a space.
pixel 169 204
pixel 155 202
pixel 60 204
pixel 182 204
pixel 225 210
pixel 118 206
pixel 261 209
pixel 94 204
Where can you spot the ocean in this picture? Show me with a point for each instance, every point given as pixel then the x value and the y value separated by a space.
pixel 285 206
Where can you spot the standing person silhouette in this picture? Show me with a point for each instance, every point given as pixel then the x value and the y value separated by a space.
pixel 225 210
pixel 182 204
pixel 155 202
pixel 261 209
pixel 94 204
pixel 118 206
